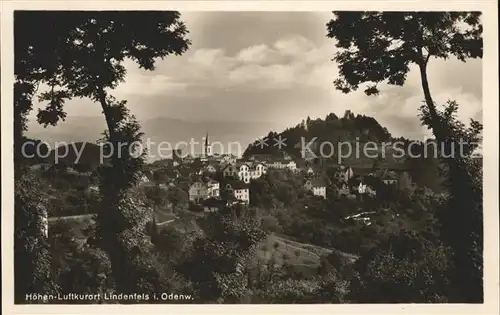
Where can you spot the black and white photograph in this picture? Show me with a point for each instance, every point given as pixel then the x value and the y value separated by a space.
pixel 168 156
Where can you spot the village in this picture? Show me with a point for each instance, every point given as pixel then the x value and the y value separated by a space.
pixel 219 180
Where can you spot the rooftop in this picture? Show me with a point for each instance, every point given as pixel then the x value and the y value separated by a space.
pixel 235 184
pixel 315 182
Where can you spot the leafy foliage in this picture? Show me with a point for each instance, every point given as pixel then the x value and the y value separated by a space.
pixel 31 250
pixel 218 253
pixel 79 268
pixel 82 55
pixel 461 218
pixel 406 267
pixel 376 47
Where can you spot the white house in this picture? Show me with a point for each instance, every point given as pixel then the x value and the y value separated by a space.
pixel 240 192
pixel 197 192
pixel 245 171
pixel 316 187
pixel 228 158
pixel 259 170
pixel 210 168
pixel 364 189
pixel 282 164
pixel 203 190
pixel 291 165
pixel 213 188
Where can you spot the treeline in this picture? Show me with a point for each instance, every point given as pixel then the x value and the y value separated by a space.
pixel 331 129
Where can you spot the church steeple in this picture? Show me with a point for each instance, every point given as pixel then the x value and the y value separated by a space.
pixel 208 150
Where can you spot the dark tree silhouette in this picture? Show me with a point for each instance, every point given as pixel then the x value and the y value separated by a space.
pixel 406 267
pixel 461 218
pixel 379 47
pixel 81 54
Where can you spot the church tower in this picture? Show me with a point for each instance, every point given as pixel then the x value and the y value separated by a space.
pixel 208 148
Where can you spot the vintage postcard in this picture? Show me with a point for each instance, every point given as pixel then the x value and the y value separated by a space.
pixel 250 157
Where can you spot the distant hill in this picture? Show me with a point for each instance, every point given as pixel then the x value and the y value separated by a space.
pixel 157 130
pixel 360 131
pixel 332 130
pixel 86 154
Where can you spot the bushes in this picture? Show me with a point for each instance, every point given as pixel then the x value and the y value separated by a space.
pixel 408 267
pixel 271 224
pixel 32 257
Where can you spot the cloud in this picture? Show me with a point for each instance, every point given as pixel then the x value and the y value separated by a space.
pixel 279 70
pixel 294 46
pixel 257 54
pixel 287 63
pixel 150 85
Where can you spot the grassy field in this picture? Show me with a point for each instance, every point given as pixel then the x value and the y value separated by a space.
pixel 302 260
pixel 318 250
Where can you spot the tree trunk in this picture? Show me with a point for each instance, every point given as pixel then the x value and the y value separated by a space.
pixel 457 229
pixel 108 214
pixel 435 120
pixel 107 115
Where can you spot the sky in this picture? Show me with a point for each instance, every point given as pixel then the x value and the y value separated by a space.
pixel 276 67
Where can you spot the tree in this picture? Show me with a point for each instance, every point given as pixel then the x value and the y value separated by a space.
pixel 82 55
pixel 227 239
pixel 178 197
pixel 156 195
pixel 376 47
pixel 461 217
pixel 32 259
pixel 405 268
pixel 78 269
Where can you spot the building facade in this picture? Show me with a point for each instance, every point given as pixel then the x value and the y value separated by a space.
pixel 238 191
pixel 202 190
pixel 282 164
pixel 245 171
pixel 316 187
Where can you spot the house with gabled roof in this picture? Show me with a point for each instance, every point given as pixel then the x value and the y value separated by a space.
pixel 245 170
pixel 203 189
pixel 236 192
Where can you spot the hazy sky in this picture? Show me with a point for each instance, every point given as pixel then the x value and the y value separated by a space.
pixel 276 66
